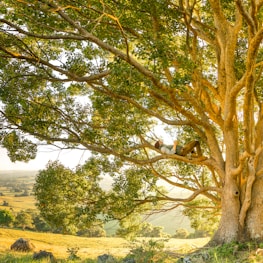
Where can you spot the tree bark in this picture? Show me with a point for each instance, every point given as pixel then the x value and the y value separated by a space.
pixel 228 229
pixel 254 221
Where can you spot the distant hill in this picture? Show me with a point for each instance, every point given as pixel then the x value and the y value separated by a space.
pixel 170 221
pixel 10 174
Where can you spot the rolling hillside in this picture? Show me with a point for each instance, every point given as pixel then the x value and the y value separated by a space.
pixel 88 247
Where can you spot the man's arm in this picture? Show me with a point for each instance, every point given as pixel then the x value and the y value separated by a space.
pixel 174 146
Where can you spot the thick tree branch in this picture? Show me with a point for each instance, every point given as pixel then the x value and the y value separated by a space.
pixel 242 163
pixel 35 61
pixel 246 16
pixel 192 196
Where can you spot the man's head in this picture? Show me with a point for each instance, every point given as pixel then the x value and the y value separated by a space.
pixel 158 144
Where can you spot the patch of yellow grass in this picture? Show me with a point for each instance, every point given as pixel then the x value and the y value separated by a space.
pixel 18 203
pixel 88 247
pixel 58 244
pixel 185 245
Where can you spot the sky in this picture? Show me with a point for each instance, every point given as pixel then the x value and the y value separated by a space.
pixel 70 158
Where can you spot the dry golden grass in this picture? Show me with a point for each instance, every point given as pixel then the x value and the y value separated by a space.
pixel 58 244
pixel 8 182
pixel 18 203
pixel 88 247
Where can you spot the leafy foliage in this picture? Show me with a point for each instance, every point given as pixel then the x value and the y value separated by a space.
pixel 6 218
pixel 72 201
pixel 105 76
pixel 67 199
pixel 139 229
pixel 149 251
pixel 19 149
pixel 96 231
pixel 201 217
pixel 23 220
pixel 181 233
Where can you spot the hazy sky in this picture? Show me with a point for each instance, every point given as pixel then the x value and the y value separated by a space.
pixel 70 158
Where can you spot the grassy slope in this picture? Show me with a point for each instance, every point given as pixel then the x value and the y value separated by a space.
pixel 58 244
pixel 88 247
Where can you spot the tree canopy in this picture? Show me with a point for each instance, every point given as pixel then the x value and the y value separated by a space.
pixel 103 75
pixel 6 218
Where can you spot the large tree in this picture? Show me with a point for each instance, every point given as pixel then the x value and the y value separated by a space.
pixel 102 75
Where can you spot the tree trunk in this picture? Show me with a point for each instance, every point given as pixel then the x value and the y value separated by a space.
pixel 228 229
pixel 254 221
pixel 242 217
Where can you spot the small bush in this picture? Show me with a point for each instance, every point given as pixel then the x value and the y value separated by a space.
pixel 181 233
pixel 149 251
pixel 44 255
pixel 230 252
pixel 73 253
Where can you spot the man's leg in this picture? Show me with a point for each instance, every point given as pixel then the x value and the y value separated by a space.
pixel 189 148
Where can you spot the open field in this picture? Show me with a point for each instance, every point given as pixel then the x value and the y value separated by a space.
pixel 12 186
pixel 18 203
pixel 88 247
pixel 91 248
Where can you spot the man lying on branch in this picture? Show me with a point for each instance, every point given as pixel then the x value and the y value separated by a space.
pixel 178 149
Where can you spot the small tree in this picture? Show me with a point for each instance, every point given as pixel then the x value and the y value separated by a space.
pixel 149 230
pixel 95 231
pixel 6 218
pixel 66 199
pixel 23 220
pixel 181 233
pixel 136 228
pixel 40 224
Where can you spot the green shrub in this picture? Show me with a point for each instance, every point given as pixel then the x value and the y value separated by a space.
pixel 73 253
pixel 11 258
pixel 149 251
pixel 181 233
